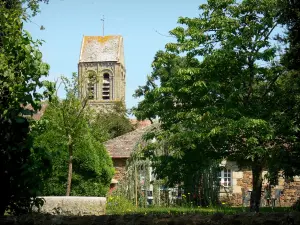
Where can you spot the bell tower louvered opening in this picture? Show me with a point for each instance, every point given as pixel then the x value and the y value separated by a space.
pixel 106 87
pixel 92 86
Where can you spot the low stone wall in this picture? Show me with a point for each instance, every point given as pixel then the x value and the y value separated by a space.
pixel 73 205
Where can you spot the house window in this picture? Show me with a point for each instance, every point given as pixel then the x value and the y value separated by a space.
pixel 149 193
pixel 106 87
pixel 225 178
pixel 92 86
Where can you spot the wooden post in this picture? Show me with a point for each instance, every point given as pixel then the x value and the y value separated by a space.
pixel 159 193
pixel 136 198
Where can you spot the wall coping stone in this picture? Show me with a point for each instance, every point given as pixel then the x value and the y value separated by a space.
pixel 73 205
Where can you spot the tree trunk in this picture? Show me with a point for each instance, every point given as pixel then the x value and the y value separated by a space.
pixel 257 185
pixel 70 147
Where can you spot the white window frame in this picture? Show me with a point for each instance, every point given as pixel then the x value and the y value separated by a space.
pixel 225 178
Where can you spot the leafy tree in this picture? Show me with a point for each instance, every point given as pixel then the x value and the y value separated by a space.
pixel 214 89
pixel 288 92
pixel 112 123
pixel 21 68
pixel 78 158
pixel 290 17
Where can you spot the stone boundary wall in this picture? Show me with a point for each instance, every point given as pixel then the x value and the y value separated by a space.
pixel 73 205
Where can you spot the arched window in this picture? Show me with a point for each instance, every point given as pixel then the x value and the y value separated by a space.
pixel 106 87
pixel 92 85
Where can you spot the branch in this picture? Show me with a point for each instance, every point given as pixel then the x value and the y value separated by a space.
pixel 162 34
pixel 271 83
pixel 268 34
pixel 82 108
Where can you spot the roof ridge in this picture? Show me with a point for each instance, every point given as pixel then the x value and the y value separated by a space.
pixel 126 134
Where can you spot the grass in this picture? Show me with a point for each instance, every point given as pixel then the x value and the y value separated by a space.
pixel 189 210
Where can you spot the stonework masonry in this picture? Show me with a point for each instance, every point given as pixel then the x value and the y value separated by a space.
pixel 101 71
pixel 120 168
pixel 73 205
pixel 239 192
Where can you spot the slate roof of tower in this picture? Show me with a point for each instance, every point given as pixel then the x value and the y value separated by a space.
pixel 101 48
pixel 123 146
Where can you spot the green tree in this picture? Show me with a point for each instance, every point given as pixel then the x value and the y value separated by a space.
pixel 79 159
pixel 112 123
pixel 21 68
pixel 288 93
pixel 221 101
pixel 290 17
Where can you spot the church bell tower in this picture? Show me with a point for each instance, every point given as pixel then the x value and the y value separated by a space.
pixel 101 71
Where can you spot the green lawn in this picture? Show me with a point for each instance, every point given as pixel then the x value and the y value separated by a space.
pixel 188 210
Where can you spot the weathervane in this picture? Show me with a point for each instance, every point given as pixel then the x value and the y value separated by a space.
pixel 102 25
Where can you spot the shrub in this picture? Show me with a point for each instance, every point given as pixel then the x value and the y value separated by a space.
pixel 117 204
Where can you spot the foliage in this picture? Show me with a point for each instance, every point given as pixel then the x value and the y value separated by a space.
pixel 215 89
pixel 290 17
pixel 21 70
pixel 66 133
pixel 288 94
pixel 158 210
pixel 202 183
pixel 117 204
pixel 111 123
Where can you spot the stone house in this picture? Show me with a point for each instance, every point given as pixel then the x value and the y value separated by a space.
pixel 236 186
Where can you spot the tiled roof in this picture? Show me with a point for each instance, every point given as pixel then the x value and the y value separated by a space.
pixel 123 146
pixel 37 115
pixel 101 48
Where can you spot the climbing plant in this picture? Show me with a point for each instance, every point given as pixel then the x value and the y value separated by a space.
pixel 171 183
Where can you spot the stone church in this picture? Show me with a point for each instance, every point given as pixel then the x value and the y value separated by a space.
pixel 102 79
pixel 101 70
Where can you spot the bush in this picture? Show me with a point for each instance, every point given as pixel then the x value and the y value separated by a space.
pixel 92 166
pixel 117 204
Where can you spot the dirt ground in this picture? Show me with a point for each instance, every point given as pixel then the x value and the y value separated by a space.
pixel 292 218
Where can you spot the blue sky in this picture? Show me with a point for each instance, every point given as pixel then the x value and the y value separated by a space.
pixel 66 21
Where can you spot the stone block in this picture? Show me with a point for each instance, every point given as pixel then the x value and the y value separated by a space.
pixel 237 189
pixel 281 181
pixel 296 178
pixel 234 182
pixel 73 205
pixel 237 175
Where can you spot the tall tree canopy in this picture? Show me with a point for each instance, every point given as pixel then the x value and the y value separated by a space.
pixel 111 123
pixel 81 165
pixel 289 93
pixel 290 17
pixel 21 70
pixel 214 90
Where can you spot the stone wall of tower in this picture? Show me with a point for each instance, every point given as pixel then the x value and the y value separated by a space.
pixel 100 55
pixel 117 82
